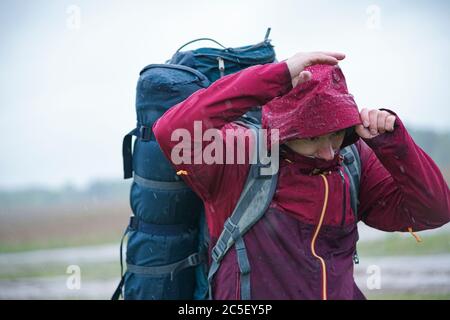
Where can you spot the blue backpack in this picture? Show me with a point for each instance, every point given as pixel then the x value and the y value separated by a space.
pixel 167 234
pixel 166 248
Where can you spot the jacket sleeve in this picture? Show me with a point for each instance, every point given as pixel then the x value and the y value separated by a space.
pixel 215 108
pixel 401 186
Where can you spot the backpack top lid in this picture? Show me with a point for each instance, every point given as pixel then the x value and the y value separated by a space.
pixel 206 60
pixel 161 86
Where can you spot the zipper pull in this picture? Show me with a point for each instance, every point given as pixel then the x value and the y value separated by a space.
pixel 355 258
pixel 221 66
pixel 416 236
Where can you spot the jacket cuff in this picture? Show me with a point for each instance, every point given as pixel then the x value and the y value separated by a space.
pixel 281 77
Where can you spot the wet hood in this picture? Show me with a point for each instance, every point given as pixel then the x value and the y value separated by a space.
pixel 314 108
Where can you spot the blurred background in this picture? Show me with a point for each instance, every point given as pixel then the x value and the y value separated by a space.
pixel 67 86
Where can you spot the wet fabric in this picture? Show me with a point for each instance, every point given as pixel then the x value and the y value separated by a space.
pixel 400 188
pixel 314 108
pixel 166 213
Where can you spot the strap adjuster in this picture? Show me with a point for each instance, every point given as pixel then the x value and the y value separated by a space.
pixel 145 133
pixel 194 259
pixel 230 226
pixel 348 158
pixel 134 222
pixel 216 254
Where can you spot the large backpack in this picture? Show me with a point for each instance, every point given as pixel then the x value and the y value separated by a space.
pixel 165 256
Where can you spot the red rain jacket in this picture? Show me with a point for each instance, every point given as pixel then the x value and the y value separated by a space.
pixel 303 246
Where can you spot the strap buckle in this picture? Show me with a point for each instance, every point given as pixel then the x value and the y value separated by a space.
pixel 134 222
pixel 230 226
pixel 348 156
pixel 194 259
pixel 217 253
pixel 145 133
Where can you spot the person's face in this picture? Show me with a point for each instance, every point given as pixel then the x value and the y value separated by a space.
pixel 323 147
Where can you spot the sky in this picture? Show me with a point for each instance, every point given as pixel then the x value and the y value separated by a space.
pixel 69 68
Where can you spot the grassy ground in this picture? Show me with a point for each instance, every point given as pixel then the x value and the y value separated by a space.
pixel 25 229
pixel 405 244
pixel 394 244
pixel 409 296
pixel 89 271
pixel 67 242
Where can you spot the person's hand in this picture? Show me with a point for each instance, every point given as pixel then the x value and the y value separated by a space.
pixel 375 122
pixel 301 60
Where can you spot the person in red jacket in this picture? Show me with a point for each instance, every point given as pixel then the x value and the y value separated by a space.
pixel 302 248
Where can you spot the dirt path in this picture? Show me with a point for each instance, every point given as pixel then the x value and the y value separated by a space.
pixel 410 274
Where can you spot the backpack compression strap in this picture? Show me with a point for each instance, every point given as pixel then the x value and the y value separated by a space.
pixel 136 224
pixel 142 132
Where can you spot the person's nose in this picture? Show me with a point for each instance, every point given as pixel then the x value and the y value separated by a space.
pixel 326 152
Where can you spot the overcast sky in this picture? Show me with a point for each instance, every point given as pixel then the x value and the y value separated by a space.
pixel 69 68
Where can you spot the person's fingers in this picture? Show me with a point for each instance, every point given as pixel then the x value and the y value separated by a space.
pixel 362 131
pixel 337 55
pixel 373 119
pixel 364 115
pixel 300 61
pixel 381 121
pixel 318 58
pixel 390 121
pixel 304 76
pixel 294 82
pixel 375 122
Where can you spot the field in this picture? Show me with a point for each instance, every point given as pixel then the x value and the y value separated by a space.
pixel 39 244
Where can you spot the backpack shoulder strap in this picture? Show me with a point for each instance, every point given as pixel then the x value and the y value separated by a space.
pixel 352 166
pixel 255 198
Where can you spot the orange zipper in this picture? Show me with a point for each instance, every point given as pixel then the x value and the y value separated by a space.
pixel 313 241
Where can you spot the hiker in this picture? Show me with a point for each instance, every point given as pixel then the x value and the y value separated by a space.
pixel 304 245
